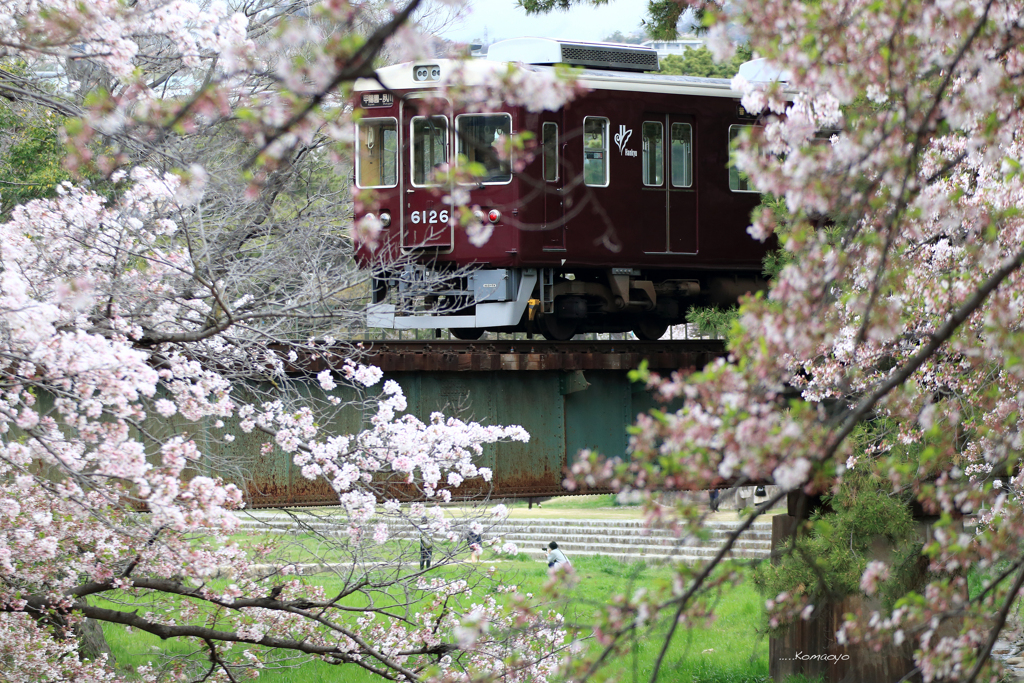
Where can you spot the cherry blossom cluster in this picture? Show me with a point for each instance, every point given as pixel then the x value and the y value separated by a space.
pixel 436 456
pixel 114 35
pixel 896 144
pixel 124 351
pixel 99 424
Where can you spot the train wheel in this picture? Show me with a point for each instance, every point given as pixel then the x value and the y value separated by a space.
pixel 558 329
pixel 650 329
pixel 466 333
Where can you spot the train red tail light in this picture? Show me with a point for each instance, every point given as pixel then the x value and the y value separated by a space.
pixel 494 215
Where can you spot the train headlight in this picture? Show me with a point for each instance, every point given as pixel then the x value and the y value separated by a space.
pixel 385 219
pixel 426 72
pixel 494 215
pixel 479 215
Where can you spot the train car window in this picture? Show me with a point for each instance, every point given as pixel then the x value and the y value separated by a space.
pixel 654 152
pixel 377 157
pixel 682 155
pixel 482 139
pixel 549 141
pixel 429 147
pixel 595 151
pixel 738 181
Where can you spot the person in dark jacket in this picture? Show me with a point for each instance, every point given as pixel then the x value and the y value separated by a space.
pixel 426 548
pixel 476 545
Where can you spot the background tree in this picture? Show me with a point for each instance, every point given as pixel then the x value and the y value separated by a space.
pixel 157 300
pixel 900 127
pixel 632 38
pixel 662 20
pixel 700 62
pixel 140 323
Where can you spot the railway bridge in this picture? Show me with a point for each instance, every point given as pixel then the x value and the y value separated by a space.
pixel 568 395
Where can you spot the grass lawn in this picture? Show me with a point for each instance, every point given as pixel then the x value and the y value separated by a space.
pixel 727 651
pixel 576 507
pixel 600 506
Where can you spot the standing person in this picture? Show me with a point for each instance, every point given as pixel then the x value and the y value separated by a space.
pixel 426 546
pixel 476 545
pixel 713 499
pixel 555 556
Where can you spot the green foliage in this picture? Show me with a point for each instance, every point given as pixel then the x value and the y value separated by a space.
pixel 543 6
pixel 712 320
pixel 663 17
pixel 661 21
pixel 700 62
pixel 834 228
pixel 861 521
pixel 776 259
pixel 31 154
pixel 32 150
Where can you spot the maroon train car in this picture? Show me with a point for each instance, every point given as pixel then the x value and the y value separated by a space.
pixel 626 213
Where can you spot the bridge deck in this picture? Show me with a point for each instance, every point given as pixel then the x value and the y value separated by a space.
pixel 538 355
pixel 568 395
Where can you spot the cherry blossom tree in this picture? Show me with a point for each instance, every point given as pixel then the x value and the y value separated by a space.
pixel 895 144
pixel 156 316
pixel 889 344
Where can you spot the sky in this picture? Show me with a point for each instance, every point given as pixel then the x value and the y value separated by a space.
pixel 500 19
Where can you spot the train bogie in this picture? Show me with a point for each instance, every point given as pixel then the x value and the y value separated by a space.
pixel 624 214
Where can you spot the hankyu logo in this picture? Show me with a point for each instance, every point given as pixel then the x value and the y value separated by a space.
pixel 622 138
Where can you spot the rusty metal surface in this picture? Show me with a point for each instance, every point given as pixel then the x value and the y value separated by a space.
pixel 567 395
pixel 594 415
pixel 537 355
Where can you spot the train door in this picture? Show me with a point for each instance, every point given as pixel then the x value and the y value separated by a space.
pixel 682 191
pixel 426 151
pixel 552 184
pixel 669 211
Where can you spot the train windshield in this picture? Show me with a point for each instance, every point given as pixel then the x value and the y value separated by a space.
pixel 483 140
pixel 429 147
pixel 377 153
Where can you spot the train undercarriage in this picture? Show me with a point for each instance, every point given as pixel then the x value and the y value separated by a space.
pixel 555 303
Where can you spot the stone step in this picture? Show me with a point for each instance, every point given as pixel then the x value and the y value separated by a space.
pixel 713 526
pixel 532 534
pixel 655 558
pixel 762 524
pixel 717 534
pixel 625 542
pixel 613 546
pixel 576 539
pixel 613 550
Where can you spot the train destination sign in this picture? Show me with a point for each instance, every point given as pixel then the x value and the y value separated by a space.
pixel 741 111
pixel 378 99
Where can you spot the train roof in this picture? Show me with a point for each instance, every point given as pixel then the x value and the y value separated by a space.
pixel 549 51
pixel 430 73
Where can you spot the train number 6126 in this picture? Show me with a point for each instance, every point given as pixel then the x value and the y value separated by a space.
pixel 432 216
